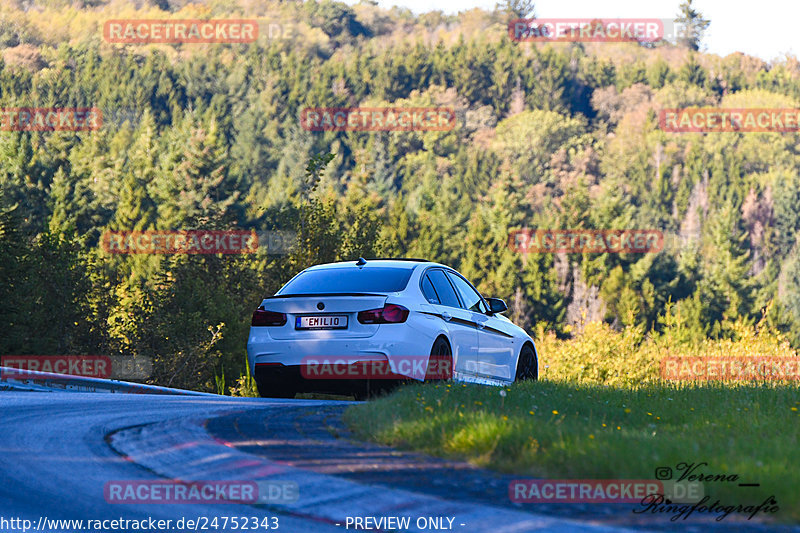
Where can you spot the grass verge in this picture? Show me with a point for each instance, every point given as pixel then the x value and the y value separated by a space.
pixel 568 430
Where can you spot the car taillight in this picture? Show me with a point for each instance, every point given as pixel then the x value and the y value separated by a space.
pixel 388 314
pixel 261 317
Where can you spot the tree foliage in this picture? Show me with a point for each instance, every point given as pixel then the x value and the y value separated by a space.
pixel 208 136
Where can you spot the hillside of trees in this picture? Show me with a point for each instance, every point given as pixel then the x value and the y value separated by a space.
pixel 561 135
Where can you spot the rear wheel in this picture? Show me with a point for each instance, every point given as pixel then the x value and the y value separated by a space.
pixel 527 365
pixel 440 364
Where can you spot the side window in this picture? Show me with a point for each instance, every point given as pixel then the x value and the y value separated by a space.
pixel 444 290
pixel 428 291
pixel 472 300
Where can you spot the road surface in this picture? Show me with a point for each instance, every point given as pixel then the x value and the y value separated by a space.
pixel 61 453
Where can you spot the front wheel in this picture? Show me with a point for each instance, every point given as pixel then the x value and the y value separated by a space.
pixel 527 365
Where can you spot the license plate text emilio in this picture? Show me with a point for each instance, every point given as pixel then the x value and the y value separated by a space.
pixel 327 322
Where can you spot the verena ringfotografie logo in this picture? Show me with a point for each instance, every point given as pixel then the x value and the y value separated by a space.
pixel 586 30
pixel 201 492
pixel 50 118
pixel 584 241
pixel 378 118
pixel 92 366
pixel 693 473
pixel 715 120
pixel 600 490
pixel 429 367
pixel 730 368
pixel 139 31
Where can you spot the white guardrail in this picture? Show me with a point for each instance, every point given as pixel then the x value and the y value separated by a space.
pixel 30 380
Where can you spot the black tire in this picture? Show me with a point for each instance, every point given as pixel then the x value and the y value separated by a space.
pixel 272 387
pixel 527 365
pixel 444 370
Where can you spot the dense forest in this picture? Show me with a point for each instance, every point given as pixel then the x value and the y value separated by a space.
pixel 208 136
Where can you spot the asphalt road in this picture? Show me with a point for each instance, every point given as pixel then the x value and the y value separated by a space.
pixel 55 461
pixel 59 450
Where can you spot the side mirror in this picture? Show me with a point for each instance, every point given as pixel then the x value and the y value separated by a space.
pixel 496 305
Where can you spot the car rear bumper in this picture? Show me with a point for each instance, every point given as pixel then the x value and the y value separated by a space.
pixel 293 376
pixel 403 349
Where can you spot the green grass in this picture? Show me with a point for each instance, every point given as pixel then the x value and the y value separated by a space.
pixel 567 429
pixel 603 411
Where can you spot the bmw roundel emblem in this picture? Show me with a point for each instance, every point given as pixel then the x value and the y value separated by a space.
pixel 320 306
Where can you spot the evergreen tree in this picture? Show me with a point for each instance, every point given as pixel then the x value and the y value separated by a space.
pixel 517 8
pixel 726 289
pixel 692 72
pixel 694 26
pixel 192 183
pixel 136 210
pixel 787 215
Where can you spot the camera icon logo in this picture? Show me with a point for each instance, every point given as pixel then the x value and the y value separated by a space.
pixel 663 473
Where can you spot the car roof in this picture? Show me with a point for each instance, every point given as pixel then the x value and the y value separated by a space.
pixel 399 262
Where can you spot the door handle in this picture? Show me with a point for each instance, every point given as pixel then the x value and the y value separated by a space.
pixel 446 316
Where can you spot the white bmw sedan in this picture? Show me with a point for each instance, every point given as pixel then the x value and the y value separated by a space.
pixel 353 327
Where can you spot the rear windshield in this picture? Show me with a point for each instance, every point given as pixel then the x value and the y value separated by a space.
pixel 341 280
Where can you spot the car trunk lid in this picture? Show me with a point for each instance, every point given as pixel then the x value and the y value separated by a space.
pixel 320 315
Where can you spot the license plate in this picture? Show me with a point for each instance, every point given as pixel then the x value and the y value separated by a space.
pixel 321 322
